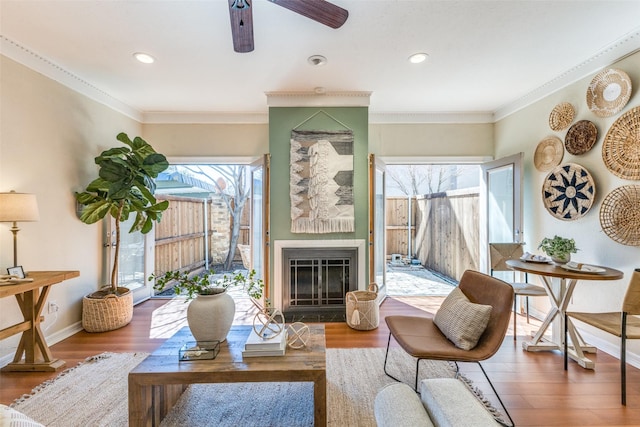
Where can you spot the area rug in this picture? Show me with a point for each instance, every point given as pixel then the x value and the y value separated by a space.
pixel 95 393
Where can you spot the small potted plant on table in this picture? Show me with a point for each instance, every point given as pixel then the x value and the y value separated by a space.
pixel 558 248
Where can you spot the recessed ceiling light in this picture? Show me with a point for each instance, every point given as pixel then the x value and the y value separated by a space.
pixel 417 58
pixel 145 58
pixel 317 60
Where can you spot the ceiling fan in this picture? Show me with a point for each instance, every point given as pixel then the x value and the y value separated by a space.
pixel 242 18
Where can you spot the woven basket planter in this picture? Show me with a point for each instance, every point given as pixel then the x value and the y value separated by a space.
pixel 109 313
pixel 363 312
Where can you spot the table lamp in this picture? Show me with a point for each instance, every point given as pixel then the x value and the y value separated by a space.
pixel 17 207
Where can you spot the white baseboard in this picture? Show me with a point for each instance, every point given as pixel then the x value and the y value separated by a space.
pixel 51 339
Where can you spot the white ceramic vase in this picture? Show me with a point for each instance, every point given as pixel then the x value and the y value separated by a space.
pixel 210 316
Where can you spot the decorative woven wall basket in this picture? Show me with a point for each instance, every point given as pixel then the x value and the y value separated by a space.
pixel 581 137
pixel 561 116
pixel 548 154
pixel 621 146
pixel 620 215
pixel 568 192
pixel 107 314
pixel 609 92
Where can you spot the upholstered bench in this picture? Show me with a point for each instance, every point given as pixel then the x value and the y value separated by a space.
pixel 443 402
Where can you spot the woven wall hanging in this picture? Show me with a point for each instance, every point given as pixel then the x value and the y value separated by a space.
pixel 581 137
pixel 548 154
pixel 568 192
pixel 561 116
pixel 620 216
pixel 621 146
pixel 609 92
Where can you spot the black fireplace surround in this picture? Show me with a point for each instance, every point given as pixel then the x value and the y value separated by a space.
pixel 316 281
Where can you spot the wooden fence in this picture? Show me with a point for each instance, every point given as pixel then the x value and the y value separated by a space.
pixel 400 228
pixel 184 240
pixel 447 234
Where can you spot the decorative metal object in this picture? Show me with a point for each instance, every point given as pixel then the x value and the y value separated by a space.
pixel 568 192
pixel 269 323
pixel 298 335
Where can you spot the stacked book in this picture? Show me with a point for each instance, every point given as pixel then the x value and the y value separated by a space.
pixel 257 346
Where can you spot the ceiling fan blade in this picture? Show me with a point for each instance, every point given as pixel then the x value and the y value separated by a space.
pixel 319 10
pixel 241 25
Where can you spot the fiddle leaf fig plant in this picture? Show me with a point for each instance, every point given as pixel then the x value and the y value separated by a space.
pixel 125 186
pixel 558 246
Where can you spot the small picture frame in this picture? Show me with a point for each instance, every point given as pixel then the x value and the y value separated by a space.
pixel 16 271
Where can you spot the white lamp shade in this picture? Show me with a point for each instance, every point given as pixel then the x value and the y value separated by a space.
pixel 18 207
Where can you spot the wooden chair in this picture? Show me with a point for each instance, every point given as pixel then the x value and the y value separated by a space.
pixel 422 339
pixel 499 254
pixel 621 324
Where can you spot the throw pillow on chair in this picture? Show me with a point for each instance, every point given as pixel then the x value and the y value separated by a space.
pixel 462 321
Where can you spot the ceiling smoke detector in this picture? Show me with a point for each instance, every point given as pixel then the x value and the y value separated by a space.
pixel 317 60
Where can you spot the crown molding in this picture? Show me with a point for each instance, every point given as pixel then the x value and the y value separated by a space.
pixel 318 99
pixel 610 54
pixel 50 69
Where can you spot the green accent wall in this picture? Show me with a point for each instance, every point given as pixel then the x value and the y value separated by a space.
pixel 282 120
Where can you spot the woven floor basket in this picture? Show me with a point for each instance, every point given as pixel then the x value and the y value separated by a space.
pixel 363 312
pixel 107 314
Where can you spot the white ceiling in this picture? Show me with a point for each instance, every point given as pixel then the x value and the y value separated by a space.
pixel 485 56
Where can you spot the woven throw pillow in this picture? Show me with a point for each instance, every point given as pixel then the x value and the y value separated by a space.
pixel 462 321
pixel 9 417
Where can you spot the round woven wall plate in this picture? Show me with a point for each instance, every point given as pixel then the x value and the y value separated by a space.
pixel 561 116
pixel 620 216
pixel 568 192
pixel 581 137
pixel 609 92
pixel 621 146
pixel 548 154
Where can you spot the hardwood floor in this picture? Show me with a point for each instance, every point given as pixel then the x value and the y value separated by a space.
pixel 534 386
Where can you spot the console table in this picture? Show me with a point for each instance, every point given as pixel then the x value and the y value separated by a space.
pixel 31 297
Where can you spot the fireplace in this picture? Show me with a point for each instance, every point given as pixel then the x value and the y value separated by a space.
pixel 312 277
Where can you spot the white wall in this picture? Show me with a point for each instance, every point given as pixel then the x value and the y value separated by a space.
pixel 208 140
pixel 431 140
pixel 49 136
pixel 521 132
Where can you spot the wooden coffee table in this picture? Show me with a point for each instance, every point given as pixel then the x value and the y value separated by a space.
pixel 158 381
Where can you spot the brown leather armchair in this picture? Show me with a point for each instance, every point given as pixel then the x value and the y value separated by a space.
pixel 422 339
